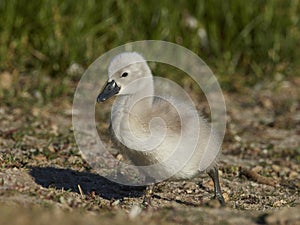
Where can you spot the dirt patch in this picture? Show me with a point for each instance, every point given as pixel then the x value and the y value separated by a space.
pixel 43 176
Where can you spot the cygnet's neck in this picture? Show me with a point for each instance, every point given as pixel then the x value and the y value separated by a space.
pixel 141 100
pixel 131 107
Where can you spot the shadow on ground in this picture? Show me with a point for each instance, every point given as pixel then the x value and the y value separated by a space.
pixel 68 179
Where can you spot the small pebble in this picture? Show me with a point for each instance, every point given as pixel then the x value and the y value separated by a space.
pixel 115 203
pixel 134 212
pixel 293 175
pixel 279 203
pixel 257 169
pixel 276 168
pixel 189 191
pixel 226 197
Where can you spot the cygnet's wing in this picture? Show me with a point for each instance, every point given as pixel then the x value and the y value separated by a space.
pixel 166 110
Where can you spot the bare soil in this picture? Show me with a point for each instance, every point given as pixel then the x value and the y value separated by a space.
pixel 44 179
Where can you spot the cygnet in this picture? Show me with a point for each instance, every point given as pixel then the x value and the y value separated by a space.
pixel 148 128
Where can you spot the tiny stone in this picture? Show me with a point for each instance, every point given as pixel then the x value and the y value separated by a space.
pixel 134 212
pixel 276 168
pixel 265 151
pixel 257 169
pixel 226 197
pixel 62 200
pixel 119 157
pixel 178 197
pixel 51 148
pixel 115 203
pixel 237 138
pixel 189 191
pixel 293 175
pixel 279 203
pixel 220 173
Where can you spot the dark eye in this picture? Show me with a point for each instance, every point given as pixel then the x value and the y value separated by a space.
pixel 125 74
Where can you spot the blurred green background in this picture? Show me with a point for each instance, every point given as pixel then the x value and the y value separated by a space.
pixel 244 42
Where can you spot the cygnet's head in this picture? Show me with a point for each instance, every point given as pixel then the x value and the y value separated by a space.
pixel 128 73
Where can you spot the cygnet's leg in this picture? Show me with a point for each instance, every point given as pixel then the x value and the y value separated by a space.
pixel 214 174
pixel 148 195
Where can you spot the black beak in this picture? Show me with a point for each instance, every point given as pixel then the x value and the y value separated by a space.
pixel 110 89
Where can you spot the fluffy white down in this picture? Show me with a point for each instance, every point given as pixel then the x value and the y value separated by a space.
pixel 149 129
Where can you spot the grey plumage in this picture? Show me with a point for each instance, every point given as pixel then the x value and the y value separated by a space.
pixel 160 131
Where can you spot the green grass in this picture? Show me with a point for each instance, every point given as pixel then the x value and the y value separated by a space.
pixel 245 41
